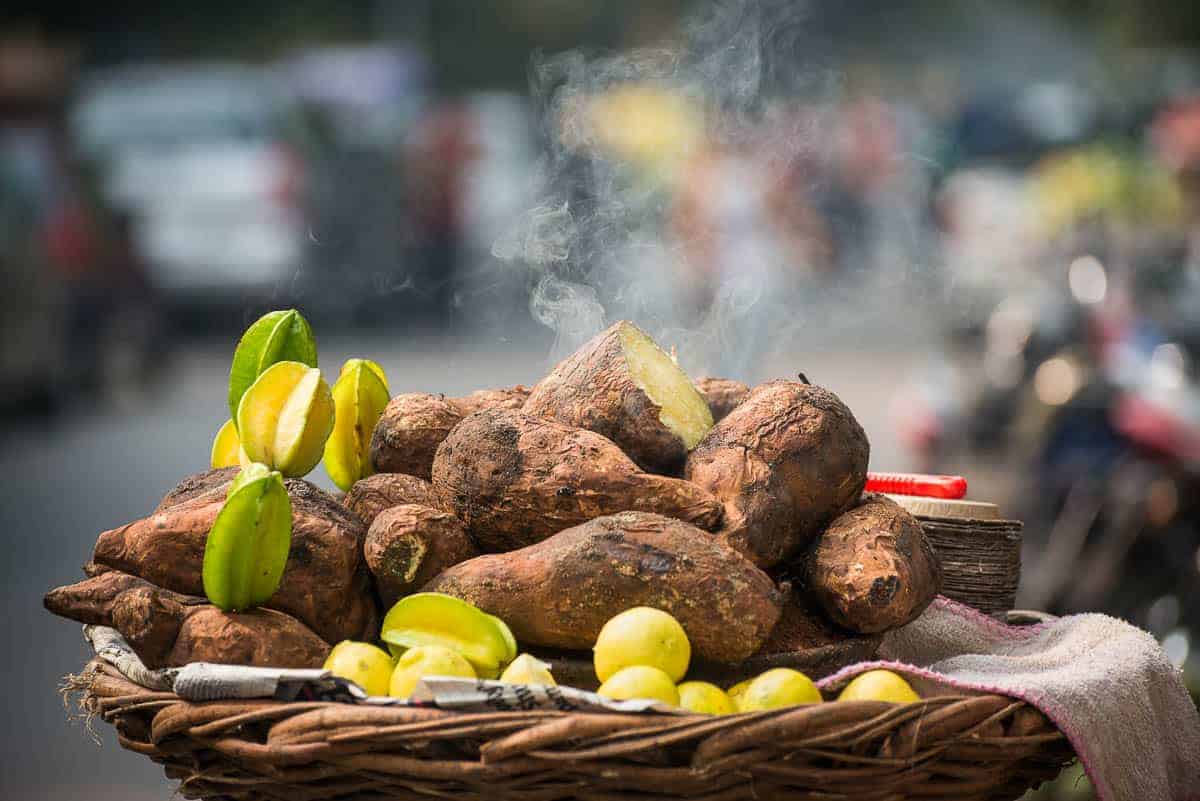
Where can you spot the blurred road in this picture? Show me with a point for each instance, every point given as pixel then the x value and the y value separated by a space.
pixel 69 478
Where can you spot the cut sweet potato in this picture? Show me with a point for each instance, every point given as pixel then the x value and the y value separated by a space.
pixel 325 584
pixel 785 462
pixel 722 394
pixel 873 569
pixel 622 385
pixel 408 545
pixel 515 479
pixel 560 592
pixel 370 496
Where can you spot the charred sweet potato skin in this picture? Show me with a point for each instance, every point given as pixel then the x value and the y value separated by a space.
pixel 370 496
pixel 514 480
pixel 167 633
pixel 722 394
pixel 873 569
pixel 409 431
pixel 408 545
pixel 560 592
pixel 785 462
pixel 593 389
pixel 325 584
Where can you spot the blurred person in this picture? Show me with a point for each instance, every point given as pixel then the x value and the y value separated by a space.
pixel 437 158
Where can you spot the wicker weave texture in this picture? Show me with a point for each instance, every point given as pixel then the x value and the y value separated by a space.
pixel 981 747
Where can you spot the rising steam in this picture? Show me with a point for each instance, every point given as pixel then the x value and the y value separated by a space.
pixel 663 196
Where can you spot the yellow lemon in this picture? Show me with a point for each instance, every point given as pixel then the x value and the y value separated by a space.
pixel 777 688
pixel 285 417
pixel 226 447
pixel 640 681
pixel 426 660
pixel 642 636
pixel 879 685
pixel 527 669
pixel 704 698
pixel 364 664
pixel 736 692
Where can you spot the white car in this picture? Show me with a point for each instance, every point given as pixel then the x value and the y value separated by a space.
pixel 203 158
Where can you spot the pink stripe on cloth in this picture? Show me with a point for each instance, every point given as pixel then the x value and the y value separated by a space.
pixel 1106 684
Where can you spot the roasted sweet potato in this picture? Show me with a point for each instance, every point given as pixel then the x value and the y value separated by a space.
pixel 370 496
pixel 408 545
pixel 414 424
pixel 91 600
pixel 166 632
pixel 408 434
pixel 560 592
pixel 873 569
pixel 722 394
pixel 199 484
pixel 515 479
pixel 507 398
pixel 785 462
pixel 622 386
pixel 325 583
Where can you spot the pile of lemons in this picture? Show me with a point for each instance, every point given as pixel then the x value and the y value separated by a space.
pixel 642 653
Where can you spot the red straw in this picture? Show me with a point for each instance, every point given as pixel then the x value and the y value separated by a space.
pixel 951 487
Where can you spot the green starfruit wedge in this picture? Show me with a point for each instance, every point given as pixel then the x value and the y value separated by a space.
pixel 250 472
pixel 285 418
pixel 277 336
pixel 431 618
pixel 247 547
pixel 359 397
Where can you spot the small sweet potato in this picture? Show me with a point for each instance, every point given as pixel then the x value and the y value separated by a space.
pixel 325 583
pixel 622 386
pixel 370 496
pixel 515 480
pixel 722 394
pixel 415 423
pixel 90 601
pixel 166 632
pixel 408 434
pixel 408 545
pixel 785 462
pixel 560 592
pixel 873 569
pixel 199 484
pixel 507 398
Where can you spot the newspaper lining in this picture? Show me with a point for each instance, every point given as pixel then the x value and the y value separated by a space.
pixel 203 681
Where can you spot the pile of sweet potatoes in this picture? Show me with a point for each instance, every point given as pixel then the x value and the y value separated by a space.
pixel 616 482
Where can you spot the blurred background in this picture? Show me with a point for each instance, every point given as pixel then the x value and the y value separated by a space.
pixel 978 222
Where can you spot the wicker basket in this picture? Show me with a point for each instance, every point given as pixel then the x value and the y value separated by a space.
pixel 977 747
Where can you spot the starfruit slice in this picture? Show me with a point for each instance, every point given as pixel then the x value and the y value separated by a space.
pixel 285 418
pixel 277 336
pixel 226 447
pixel 431 618
pixel 247 547
pixel 359 397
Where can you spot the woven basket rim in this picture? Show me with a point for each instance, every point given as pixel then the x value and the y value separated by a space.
pixel 962 746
